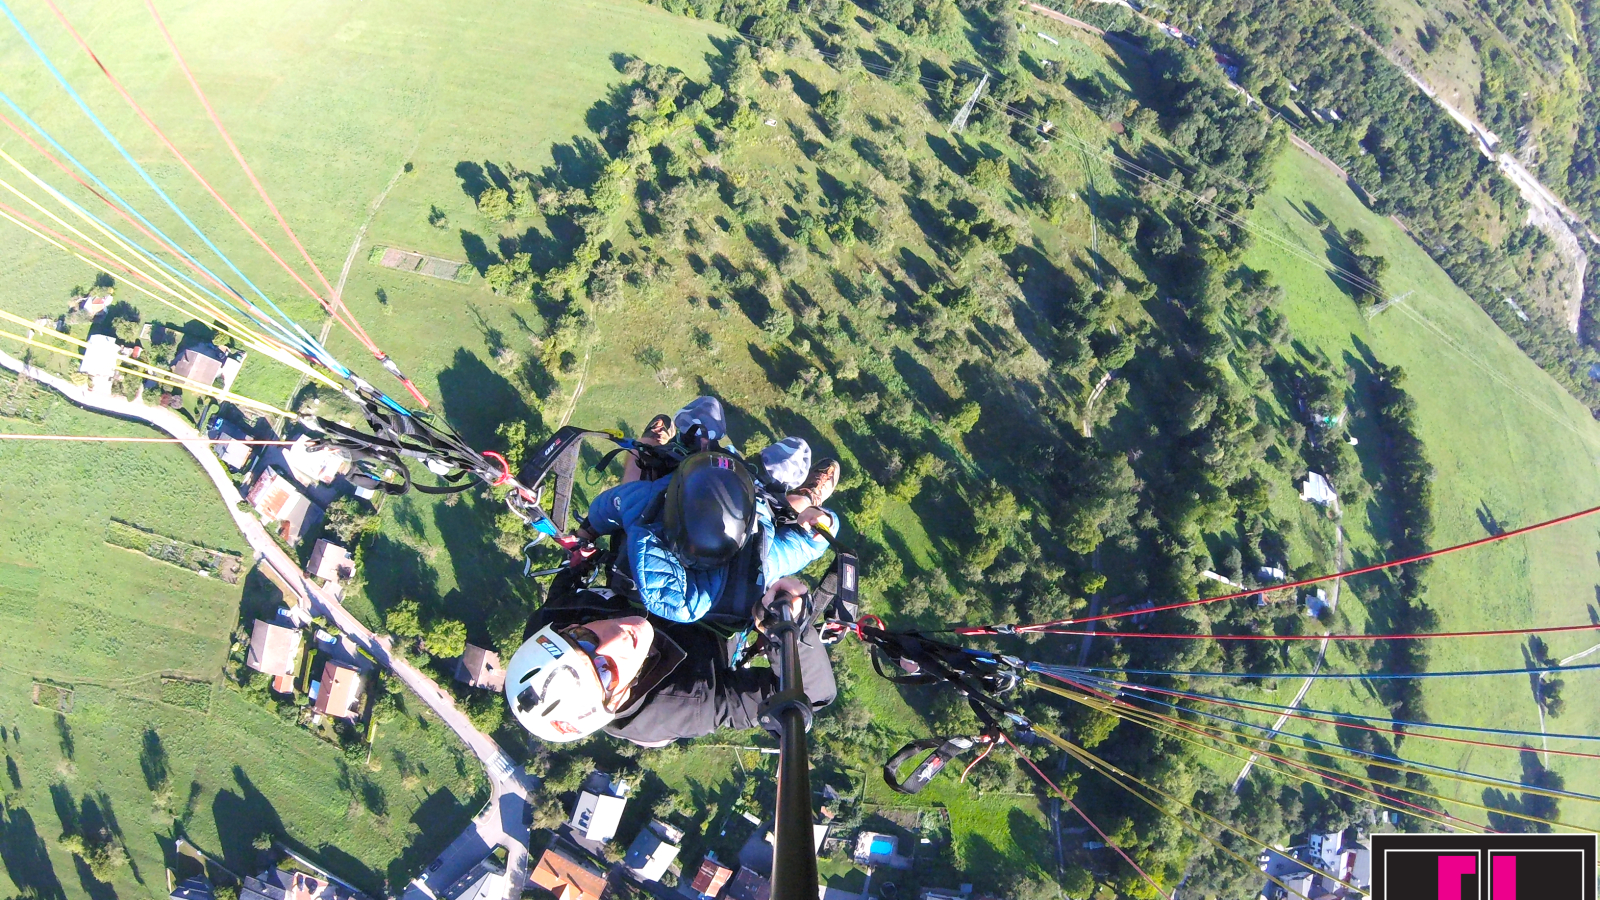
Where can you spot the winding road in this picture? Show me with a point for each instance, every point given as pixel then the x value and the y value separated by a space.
pixel 503 820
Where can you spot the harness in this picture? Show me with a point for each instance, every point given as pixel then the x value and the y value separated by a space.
pixel 384 459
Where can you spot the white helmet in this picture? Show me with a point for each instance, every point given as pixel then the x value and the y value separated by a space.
pixel 554 690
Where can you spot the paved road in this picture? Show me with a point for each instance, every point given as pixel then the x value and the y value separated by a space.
pixel 502 821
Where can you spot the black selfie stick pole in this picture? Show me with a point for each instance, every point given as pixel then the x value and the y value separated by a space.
pixel 788 714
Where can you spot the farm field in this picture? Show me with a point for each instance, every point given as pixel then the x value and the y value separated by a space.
pixel 1509 445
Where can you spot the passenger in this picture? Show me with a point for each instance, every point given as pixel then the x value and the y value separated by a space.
pixel 684 535
pixel 587 665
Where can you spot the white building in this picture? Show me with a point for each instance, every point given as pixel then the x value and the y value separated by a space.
pixel 310 466
pixel 1318 490
pixel 598 812
pixel 652 852
pixel 100 362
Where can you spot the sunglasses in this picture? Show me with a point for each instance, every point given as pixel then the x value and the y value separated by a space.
pixel 605 667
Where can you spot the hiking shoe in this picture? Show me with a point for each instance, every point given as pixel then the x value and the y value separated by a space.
pixel 819 484
pixel 658 432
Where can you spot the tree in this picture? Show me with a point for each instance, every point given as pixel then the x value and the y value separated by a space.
pixel 348 520
pixel 833 106
pixel 404 620
pixel 494 204
pixel 907 69
pixel 989 174
pixel 445 638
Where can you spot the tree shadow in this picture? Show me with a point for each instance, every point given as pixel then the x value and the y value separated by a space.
pixel 241 817
pixel 479 398
pixel 26 857
pixel 478 254
pixel 153 761
pixel 64 738
pixel 396 571
pixel 1486 518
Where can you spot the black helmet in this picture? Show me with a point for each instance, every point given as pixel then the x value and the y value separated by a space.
pixel 709 511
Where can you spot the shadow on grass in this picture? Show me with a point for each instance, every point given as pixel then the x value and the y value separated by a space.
pixel 25 856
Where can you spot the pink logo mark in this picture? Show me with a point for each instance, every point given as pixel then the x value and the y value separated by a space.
pixel 1505 877
pixel 1451 868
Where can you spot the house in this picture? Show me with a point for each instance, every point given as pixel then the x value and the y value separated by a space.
pixel 1355 866
pixel 100 359
pixel 338 692
pixel 599 809
pixel 284 884
pixel 94 304
pixel 277 500
pixel 1317 490
pixel 330 562
pixel 1316 603
pixel 566 877
pixel 196 888
pixel 481 668
pixel 1298 885
pixel 1218 577
pixel 484 881
pixel 274 650
pixel 652 852
pixel 1271 573
pixel 232 450
pixel 310 466
pixel 709 879
pixel 748 885
pixel 1325 850
pixel 200 363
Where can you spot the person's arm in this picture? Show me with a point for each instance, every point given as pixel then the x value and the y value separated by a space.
pixel 617 507
pixel 793 547
pixel 741 693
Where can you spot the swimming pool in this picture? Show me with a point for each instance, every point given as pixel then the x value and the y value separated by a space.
pixel 882 847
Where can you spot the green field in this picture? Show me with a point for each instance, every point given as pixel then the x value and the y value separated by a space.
pixel 140 645
pixel 1509 445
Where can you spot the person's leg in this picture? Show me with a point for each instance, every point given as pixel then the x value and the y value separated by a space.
pixel 817 487
pixel 656 434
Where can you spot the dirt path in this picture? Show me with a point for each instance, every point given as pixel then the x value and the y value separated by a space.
pixel 1316 154
pixel 1065 19
pixel 509 783
pixel 1322 654
pixel 1088 408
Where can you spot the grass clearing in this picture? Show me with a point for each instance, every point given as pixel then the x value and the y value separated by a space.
pixel 1510 447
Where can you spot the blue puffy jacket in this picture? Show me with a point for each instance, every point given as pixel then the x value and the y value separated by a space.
pixel 667 587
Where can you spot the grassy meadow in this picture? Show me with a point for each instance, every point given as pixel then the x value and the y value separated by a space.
pixel 1510 448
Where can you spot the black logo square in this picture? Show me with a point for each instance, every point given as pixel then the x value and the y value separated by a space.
pixel 1484 866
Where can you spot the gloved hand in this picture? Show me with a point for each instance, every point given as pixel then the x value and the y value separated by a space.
pixel 790 590
pixel 580 550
